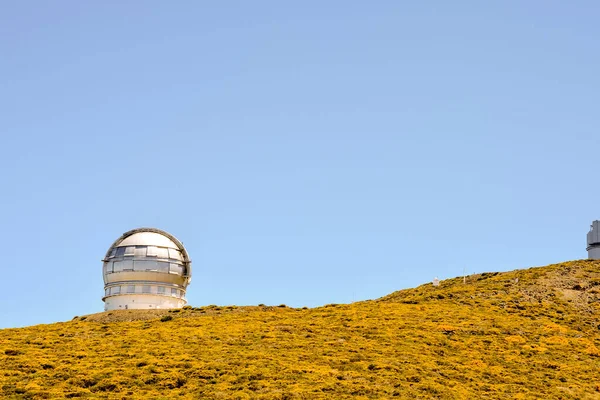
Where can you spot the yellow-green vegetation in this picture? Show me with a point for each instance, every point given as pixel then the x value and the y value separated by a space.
pixel 523 334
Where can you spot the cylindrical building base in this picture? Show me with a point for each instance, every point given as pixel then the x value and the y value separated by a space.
pixel 141 302
pixel 594 253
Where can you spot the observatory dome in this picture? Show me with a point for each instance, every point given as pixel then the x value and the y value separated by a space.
pixel 146 268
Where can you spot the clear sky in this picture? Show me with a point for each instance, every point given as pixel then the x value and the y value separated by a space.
pixel 304 152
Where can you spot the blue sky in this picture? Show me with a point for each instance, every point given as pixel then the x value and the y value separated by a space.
pixel 305 153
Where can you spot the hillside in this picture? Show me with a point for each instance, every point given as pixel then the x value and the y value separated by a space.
pixel 531 333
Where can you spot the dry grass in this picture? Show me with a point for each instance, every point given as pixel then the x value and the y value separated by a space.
pixel 490 338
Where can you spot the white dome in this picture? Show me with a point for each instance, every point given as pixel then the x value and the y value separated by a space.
pixel 148 239
pixel 146 268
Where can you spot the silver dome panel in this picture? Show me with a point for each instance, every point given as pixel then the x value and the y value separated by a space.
pixel 146 261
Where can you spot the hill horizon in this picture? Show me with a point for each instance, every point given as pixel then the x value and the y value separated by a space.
pixel 526 333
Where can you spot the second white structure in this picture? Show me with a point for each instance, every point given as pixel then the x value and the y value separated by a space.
pixel 146 268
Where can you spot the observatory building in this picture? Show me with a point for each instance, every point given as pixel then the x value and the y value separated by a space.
pixel 146 268
pixel 593 241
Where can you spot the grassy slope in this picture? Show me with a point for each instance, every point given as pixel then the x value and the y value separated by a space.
pixel 490 338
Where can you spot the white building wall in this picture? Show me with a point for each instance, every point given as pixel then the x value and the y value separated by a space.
pixel 141 301
pixel 593 241
pixel 593 235
pixel 594 253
